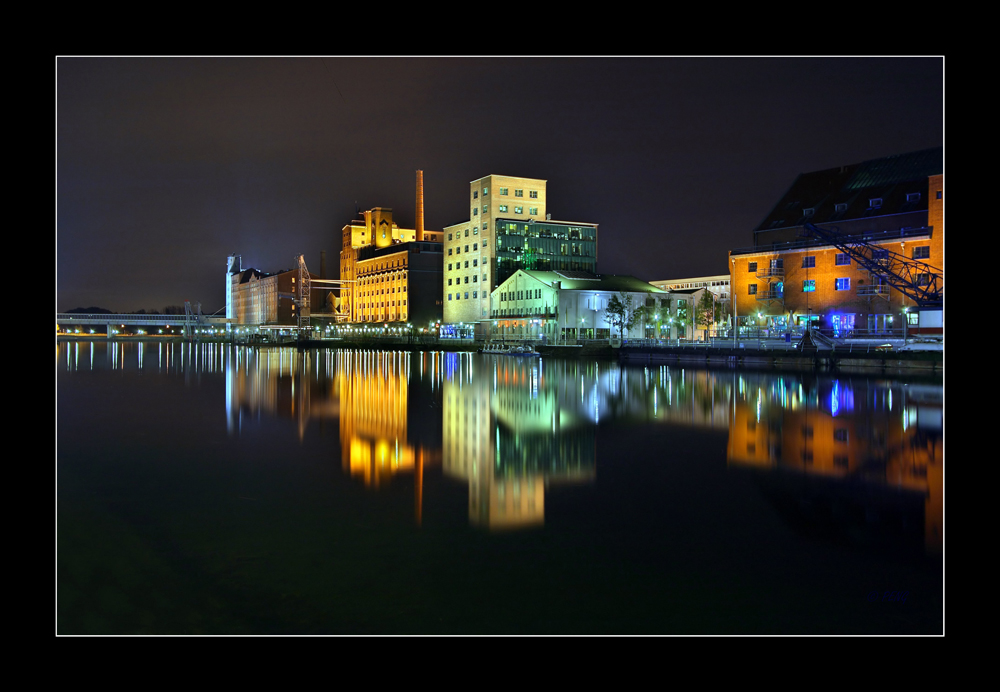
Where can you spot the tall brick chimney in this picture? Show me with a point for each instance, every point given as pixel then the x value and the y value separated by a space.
pixel 420 205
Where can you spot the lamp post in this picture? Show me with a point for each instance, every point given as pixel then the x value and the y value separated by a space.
pixel 736 318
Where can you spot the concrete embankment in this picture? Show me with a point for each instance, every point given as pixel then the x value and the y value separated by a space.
pixel 927 362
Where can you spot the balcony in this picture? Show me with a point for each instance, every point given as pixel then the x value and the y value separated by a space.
pixel 771 273
pixel 773 294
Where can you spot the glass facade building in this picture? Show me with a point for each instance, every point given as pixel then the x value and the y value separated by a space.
pixel 544 246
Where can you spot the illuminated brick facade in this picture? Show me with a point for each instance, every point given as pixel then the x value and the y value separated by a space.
pixel 789 277
pixel 383 266
pixel 258 298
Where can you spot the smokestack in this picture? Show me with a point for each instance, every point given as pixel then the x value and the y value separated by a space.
pixel 420 205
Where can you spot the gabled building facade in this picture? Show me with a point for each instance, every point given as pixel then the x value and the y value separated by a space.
pixel 389 274
pixel 565 306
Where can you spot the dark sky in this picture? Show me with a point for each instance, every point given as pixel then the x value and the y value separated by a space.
pixel 165 166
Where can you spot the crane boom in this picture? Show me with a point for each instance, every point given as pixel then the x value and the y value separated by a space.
pixel 921 282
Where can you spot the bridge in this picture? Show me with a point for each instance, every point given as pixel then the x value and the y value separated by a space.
pixel 151 324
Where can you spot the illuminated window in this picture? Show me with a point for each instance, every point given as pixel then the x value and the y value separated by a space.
pixel 503 207
pixel 809 261
pixel 518 210
pixel 843 284
pixel 486 191
pixel 922 252
pixel 842 259
pixel 809 285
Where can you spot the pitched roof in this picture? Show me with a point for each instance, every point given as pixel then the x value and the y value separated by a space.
pixel 585 281
pixel 889 185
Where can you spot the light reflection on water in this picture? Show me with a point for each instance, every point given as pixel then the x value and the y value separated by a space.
pixel 511 427
pixel 854 463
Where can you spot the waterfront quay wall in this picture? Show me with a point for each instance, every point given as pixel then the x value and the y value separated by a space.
pixel 856 361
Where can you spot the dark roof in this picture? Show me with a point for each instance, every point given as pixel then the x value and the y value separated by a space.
pixel 890 185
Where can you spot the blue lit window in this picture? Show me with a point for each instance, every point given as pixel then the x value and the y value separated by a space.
pixel 844 284
pixel 809 286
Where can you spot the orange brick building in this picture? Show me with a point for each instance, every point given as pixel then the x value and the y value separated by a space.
pixel 790 277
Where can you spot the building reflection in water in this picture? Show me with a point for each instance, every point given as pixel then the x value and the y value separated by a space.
pixel 383 431
pixel 368 392
pixel 280 382
pixel 850 458
pixel 515 428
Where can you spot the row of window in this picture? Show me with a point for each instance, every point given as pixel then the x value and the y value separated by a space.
pixel 533 194
pixel 842 259
pixel 384 304
pixel 475 279
pixel 521 295
pixel 458 296
pixel 458 250
pixel 841 284
pixel 475 231
pixel 518 210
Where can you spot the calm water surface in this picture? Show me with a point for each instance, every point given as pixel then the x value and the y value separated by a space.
pixel 212 489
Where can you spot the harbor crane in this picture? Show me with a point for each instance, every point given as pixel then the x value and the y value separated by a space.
pixel 919 281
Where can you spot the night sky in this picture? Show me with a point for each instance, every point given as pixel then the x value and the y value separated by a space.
pixel 165 166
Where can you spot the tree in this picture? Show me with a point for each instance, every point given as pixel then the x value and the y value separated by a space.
pixel 706 313
pixel 623 314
